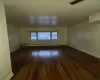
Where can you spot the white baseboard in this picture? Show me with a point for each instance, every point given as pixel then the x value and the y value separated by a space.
pixel 10 76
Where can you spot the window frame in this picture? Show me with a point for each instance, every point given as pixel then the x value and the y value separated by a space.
pixel 42 31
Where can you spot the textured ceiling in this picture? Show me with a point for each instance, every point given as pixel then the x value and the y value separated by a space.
pixel 18 11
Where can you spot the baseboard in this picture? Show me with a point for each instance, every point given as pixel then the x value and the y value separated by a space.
pixel 55 46
pixel 43 45
pixel 10 76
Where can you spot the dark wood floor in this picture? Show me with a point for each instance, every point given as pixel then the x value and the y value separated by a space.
pixel 62 63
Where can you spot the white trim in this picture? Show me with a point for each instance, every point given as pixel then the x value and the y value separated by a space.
pixel 10 76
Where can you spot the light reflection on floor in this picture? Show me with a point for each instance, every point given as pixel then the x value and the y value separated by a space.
pixel 45 53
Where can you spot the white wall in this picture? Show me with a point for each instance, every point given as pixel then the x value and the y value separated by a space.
pixel 14 37
pixel 62 35
pixel 5 63
pixel 85 37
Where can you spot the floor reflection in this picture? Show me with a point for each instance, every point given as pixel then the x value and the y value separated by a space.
pixel 45 53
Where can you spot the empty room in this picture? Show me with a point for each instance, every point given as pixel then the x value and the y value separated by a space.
pixel 49 39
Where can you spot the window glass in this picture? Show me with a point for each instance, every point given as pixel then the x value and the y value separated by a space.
pixel 54 35
pixel 44 35
pixel 33 36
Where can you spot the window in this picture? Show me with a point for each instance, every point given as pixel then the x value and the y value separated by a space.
pixel 33 36
pixel 43 35
pixel 54 35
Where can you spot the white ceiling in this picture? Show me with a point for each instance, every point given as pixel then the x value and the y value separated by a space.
pixel 18 11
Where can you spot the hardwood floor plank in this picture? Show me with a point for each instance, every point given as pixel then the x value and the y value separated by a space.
pixel 86 74
pixel 23 73
pixel 62 72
